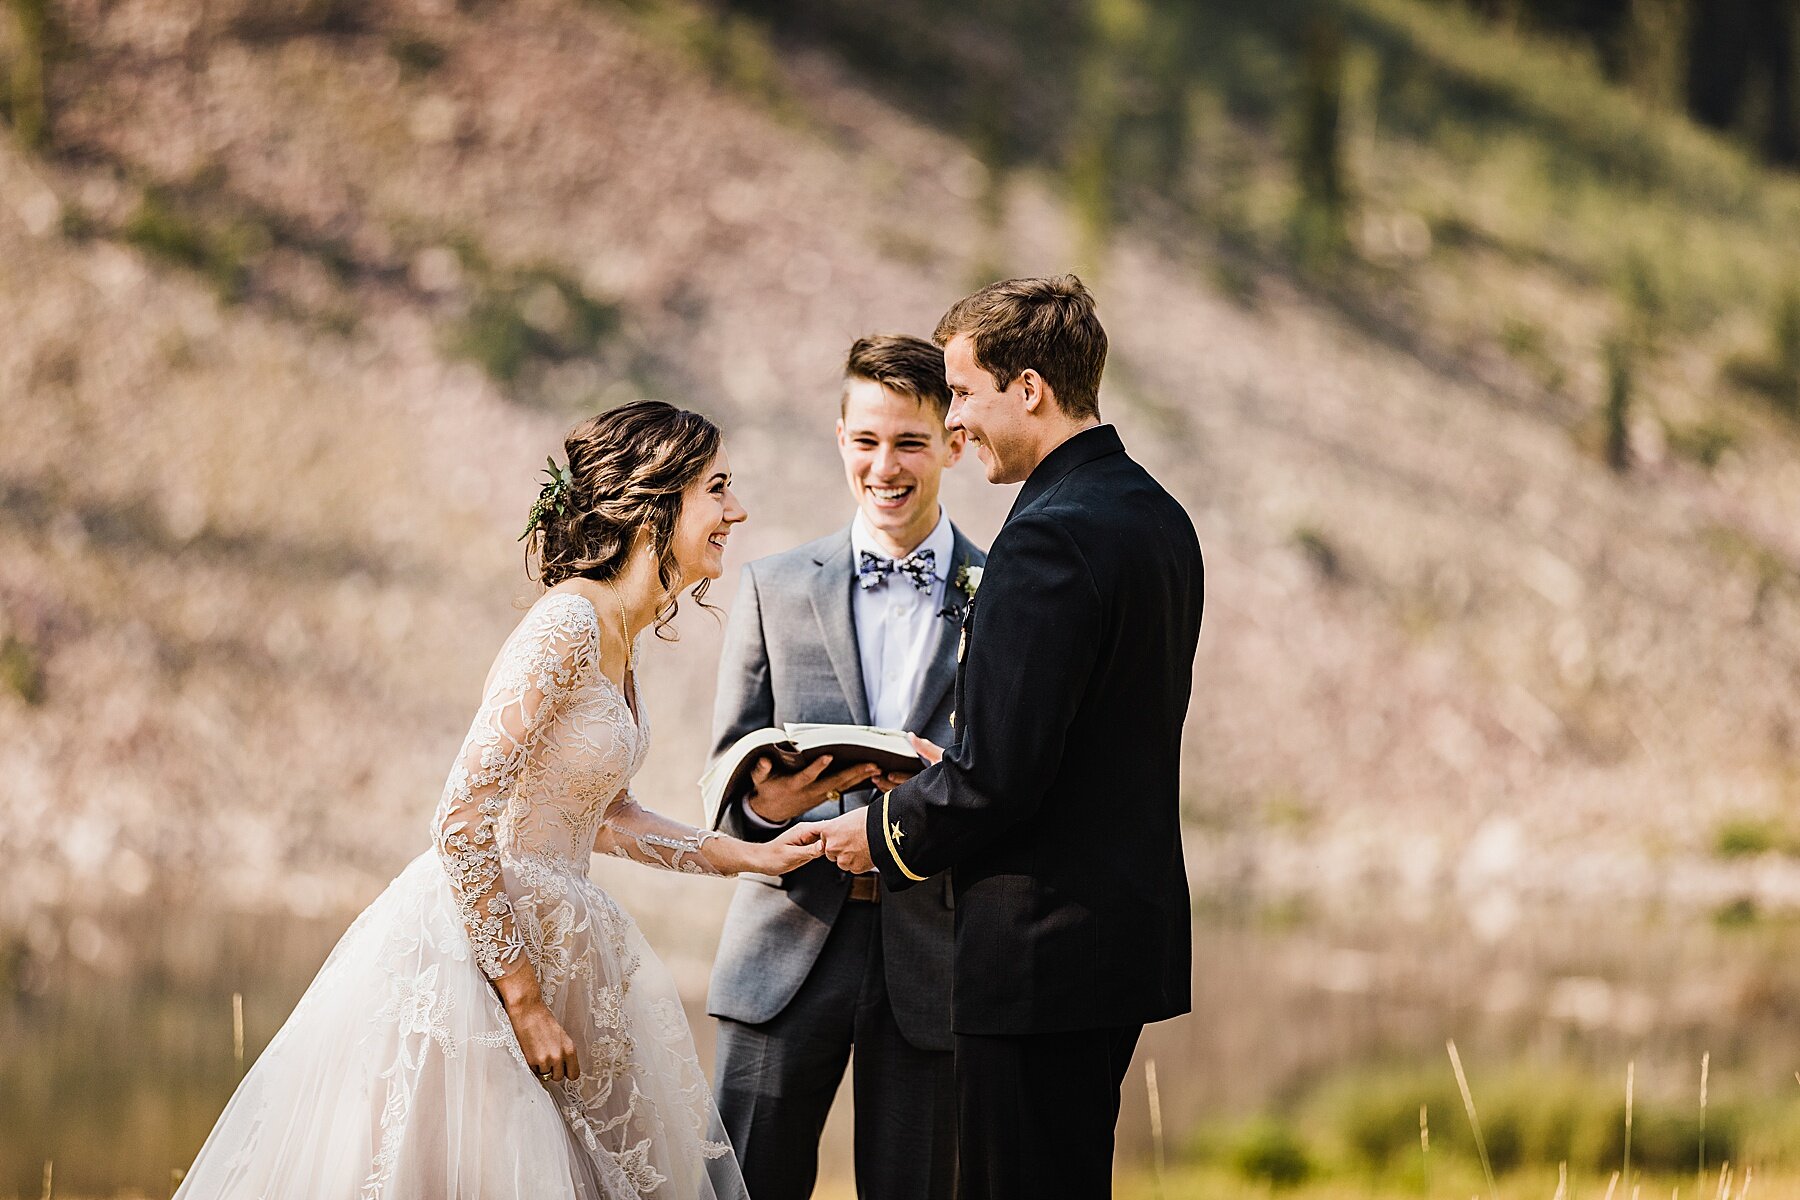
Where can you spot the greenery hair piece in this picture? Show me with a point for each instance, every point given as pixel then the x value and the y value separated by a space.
pixel 550 496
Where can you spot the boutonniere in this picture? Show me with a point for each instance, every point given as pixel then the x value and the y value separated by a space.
pixel 966 584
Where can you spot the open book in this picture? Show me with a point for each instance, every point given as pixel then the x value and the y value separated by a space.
pixel 793 747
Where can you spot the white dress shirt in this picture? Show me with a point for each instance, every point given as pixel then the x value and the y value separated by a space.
pixel 897 625
pixel 896 629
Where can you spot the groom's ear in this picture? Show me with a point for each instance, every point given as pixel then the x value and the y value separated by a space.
pixel 955 441
pixel 1034 391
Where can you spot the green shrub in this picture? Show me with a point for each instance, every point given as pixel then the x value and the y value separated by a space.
pixel 221 250
pixel 1744 837
pixel 1272 1153
pixel 1736 914
pixel 1704 442
pixel 536 316
pixel 417 55
pixel 1531 1119
pixel 1775 373
pixel 1317 225
pixel 28 73
pixel 1617 413
pixel 20 672
pixel 1320 551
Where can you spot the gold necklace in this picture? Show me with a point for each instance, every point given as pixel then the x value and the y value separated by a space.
pixel 631 650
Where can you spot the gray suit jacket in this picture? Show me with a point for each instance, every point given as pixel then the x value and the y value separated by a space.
pixel 791 655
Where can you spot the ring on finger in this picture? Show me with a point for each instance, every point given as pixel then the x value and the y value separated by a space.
pixel 833 796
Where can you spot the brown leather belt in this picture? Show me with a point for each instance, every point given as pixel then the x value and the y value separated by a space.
pixel 866 888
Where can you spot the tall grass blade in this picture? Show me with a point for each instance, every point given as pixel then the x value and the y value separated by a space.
pixel 237 1031
pixel 1425 1146
pixel 1630 1077
pixel 1156 1123
pixel 1705 1062
pixel 1468 1099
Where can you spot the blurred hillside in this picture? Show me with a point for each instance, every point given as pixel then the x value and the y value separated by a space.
pixel 1477 373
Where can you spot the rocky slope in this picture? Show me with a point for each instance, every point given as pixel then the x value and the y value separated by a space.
pixel 302 294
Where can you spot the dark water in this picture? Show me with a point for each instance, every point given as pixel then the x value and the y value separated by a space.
pixel 118 1033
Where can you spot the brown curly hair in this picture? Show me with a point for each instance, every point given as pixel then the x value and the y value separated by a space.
pixel 628 468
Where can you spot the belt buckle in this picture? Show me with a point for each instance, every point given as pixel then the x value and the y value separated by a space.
pixel 865 889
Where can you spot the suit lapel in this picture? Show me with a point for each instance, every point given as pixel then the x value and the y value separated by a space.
pixel 940 672
pixel 830 594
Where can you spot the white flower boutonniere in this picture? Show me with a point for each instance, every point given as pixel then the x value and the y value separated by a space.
pixel 966 583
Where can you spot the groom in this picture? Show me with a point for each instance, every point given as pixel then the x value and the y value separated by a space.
pixel 859 627
pixel 1059 803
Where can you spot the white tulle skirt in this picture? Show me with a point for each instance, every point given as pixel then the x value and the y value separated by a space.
pixel 398 1076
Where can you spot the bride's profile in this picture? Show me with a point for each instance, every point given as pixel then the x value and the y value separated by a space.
pixel 493 1025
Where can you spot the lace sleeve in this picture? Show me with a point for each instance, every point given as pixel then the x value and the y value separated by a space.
pixel 554 647
pixel 634 832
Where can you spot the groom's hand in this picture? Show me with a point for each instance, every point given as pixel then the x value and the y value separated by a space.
pixel 779 797
pixel 846 841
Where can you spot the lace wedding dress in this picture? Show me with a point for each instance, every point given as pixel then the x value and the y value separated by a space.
pixel 398 1075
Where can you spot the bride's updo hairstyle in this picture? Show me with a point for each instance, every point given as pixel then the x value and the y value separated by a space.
pixel 627 469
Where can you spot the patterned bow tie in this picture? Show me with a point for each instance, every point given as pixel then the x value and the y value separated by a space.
pixel 920 566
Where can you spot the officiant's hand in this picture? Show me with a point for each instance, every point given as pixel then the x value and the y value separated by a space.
pixel 846 840
pixel 779 797
pixel 930 751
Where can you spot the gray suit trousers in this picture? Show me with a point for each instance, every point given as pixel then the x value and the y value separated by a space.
pixel 776 1081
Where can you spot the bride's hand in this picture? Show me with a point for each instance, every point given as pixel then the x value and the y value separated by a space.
pixel 547 1045
pixel 548 1048
pixel 794 848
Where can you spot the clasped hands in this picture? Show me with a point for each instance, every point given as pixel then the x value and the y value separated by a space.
pixel 843 839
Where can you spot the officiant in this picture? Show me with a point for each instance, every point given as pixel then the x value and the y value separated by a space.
pixel 859 627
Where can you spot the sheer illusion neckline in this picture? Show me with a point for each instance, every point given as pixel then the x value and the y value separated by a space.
pixel 626 692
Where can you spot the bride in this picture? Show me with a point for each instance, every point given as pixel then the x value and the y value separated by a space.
pixel 494 1025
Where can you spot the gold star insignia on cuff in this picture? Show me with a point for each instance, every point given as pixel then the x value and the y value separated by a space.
pixel 890 830
pixel 899 833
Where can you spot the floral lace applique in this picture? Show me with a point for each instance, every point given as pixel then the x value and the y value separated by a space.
pixel 540 665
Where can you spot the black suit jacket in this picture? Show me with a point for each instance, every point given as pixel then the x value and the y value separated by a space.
pixel 1059 805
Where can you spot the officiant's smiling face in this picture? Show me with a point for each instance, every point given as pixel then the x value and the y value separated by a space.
pixel 895 449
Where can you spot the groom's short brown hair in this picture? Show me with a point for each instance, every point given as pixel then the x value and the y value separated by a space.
pixel 1045 325
pixel 901 363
